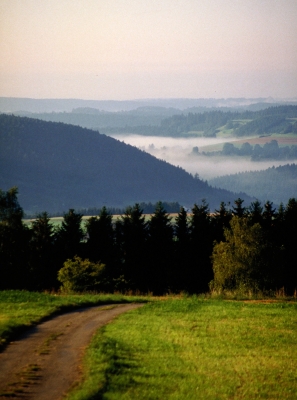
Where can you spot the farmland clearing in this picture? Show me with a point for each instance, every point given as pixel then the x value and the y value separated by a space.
pixel 193 348
pixel 171 348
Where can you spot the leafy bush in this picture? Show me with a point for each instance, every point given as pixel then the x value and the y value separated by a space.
pixel 80 275
pixel 240 263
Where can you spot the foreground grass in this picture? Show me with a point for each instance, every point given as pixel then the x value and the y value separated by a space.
pixel 195 348
pixel 21 309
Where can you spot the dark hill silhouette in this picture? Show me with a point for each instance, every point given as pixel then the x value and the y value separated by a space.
pixel 58 166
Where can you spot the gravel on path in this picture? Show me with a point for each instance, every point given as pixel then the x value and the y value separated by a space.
pixel 45 362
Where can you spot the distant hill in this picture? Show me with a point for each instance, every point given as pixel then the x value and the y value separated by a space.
pixel 13 104
pixel 58 166
pixel 276 184
pixel 173 122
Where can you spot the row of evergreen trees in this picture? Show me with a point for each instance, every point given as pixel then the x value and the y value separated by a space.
pixel 156 254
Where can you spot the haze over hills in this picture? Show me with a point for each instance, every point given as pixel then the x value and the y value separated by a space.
pixel 13 104
pixel 58 166
pixel 205 117
pixel 274 184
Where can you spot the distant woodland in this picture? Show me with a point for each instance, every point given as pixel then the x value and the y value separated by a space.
pixel 171 122
pixel 275 183
pixel 58 166
pixel 269 151
pixel 248 249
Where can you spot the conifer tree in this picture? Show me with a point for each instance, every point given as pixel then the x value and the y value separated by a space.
pixel 255 212
pixel 202 238
pixel 134 247
pixel 289 241
pixel 220 221
pixel 69 236
pixel 182 260
pixel 100 238
pixel 42 253
pixel 160 250
pixel 239 210
pixel 14 240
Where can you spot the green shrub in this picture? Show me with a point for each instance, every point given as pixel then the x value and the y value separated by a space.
pixel 241 261
pixel 80 275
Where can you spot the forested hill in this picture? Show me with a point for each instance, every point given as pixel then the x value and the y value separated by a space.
pixel 162 121
pixel 274 184
pixel 280 119
pixel 58 166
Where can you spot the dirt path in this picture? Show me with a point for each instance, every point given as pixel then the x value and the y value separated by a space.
pixel 45 361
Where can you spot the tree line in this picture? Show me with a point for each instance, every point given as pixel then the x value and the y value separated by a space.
pixel 269 151
pixel 147 208
pixel 250 248
pixel 278 119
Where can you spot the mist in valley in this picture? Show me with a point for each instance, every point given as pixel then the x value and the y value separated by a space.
pixel 178 152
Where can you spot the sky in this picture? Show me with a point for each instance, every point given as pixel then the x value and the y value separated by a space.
pixel 137 49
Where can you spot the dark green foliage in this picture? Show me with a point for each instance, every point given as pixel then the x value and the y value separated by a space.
pixel 14 240
pixel 182 226
pixel 241 262
pixel 79 275
pixel 255 250
pixel 43 261
pixel 255 212
pixel 147 208
pixel 182 265
pixel 221 221
pixel 201 243
pixel 160 250
pixel 286 236
pixel 238 209
pixel 11 213
pixel 70 235
pixel 133 247
pixel 100 237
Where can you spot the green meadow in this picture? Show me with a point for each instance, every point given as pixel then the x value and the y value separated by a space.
pixel 22 309
pixel 193 348
pixel 184 347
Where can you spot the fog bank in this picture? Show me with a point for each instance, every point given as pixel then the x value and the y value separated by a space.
pixel 177 151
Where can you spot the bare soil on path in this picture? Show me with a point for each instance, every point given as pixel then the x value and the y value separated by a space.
pixel 45 362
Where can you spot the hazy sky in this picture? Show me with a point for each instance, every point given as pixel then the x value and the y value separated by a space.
pixel 127 49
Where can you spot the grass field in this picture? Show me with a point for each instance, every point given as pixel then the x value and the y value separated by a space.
pixel 21 309
pixel 176 347
pixel 192 348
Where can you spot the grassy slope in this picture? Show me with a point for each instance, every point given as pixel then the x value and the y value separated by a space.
pixel 21 309
pixel 195 349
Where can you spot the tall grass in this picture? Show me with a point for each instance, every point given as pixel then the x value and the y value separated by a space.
pixel 193 348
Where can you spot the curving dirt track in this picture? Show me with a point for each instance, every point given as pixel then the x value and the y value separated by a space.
pixel 44 362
